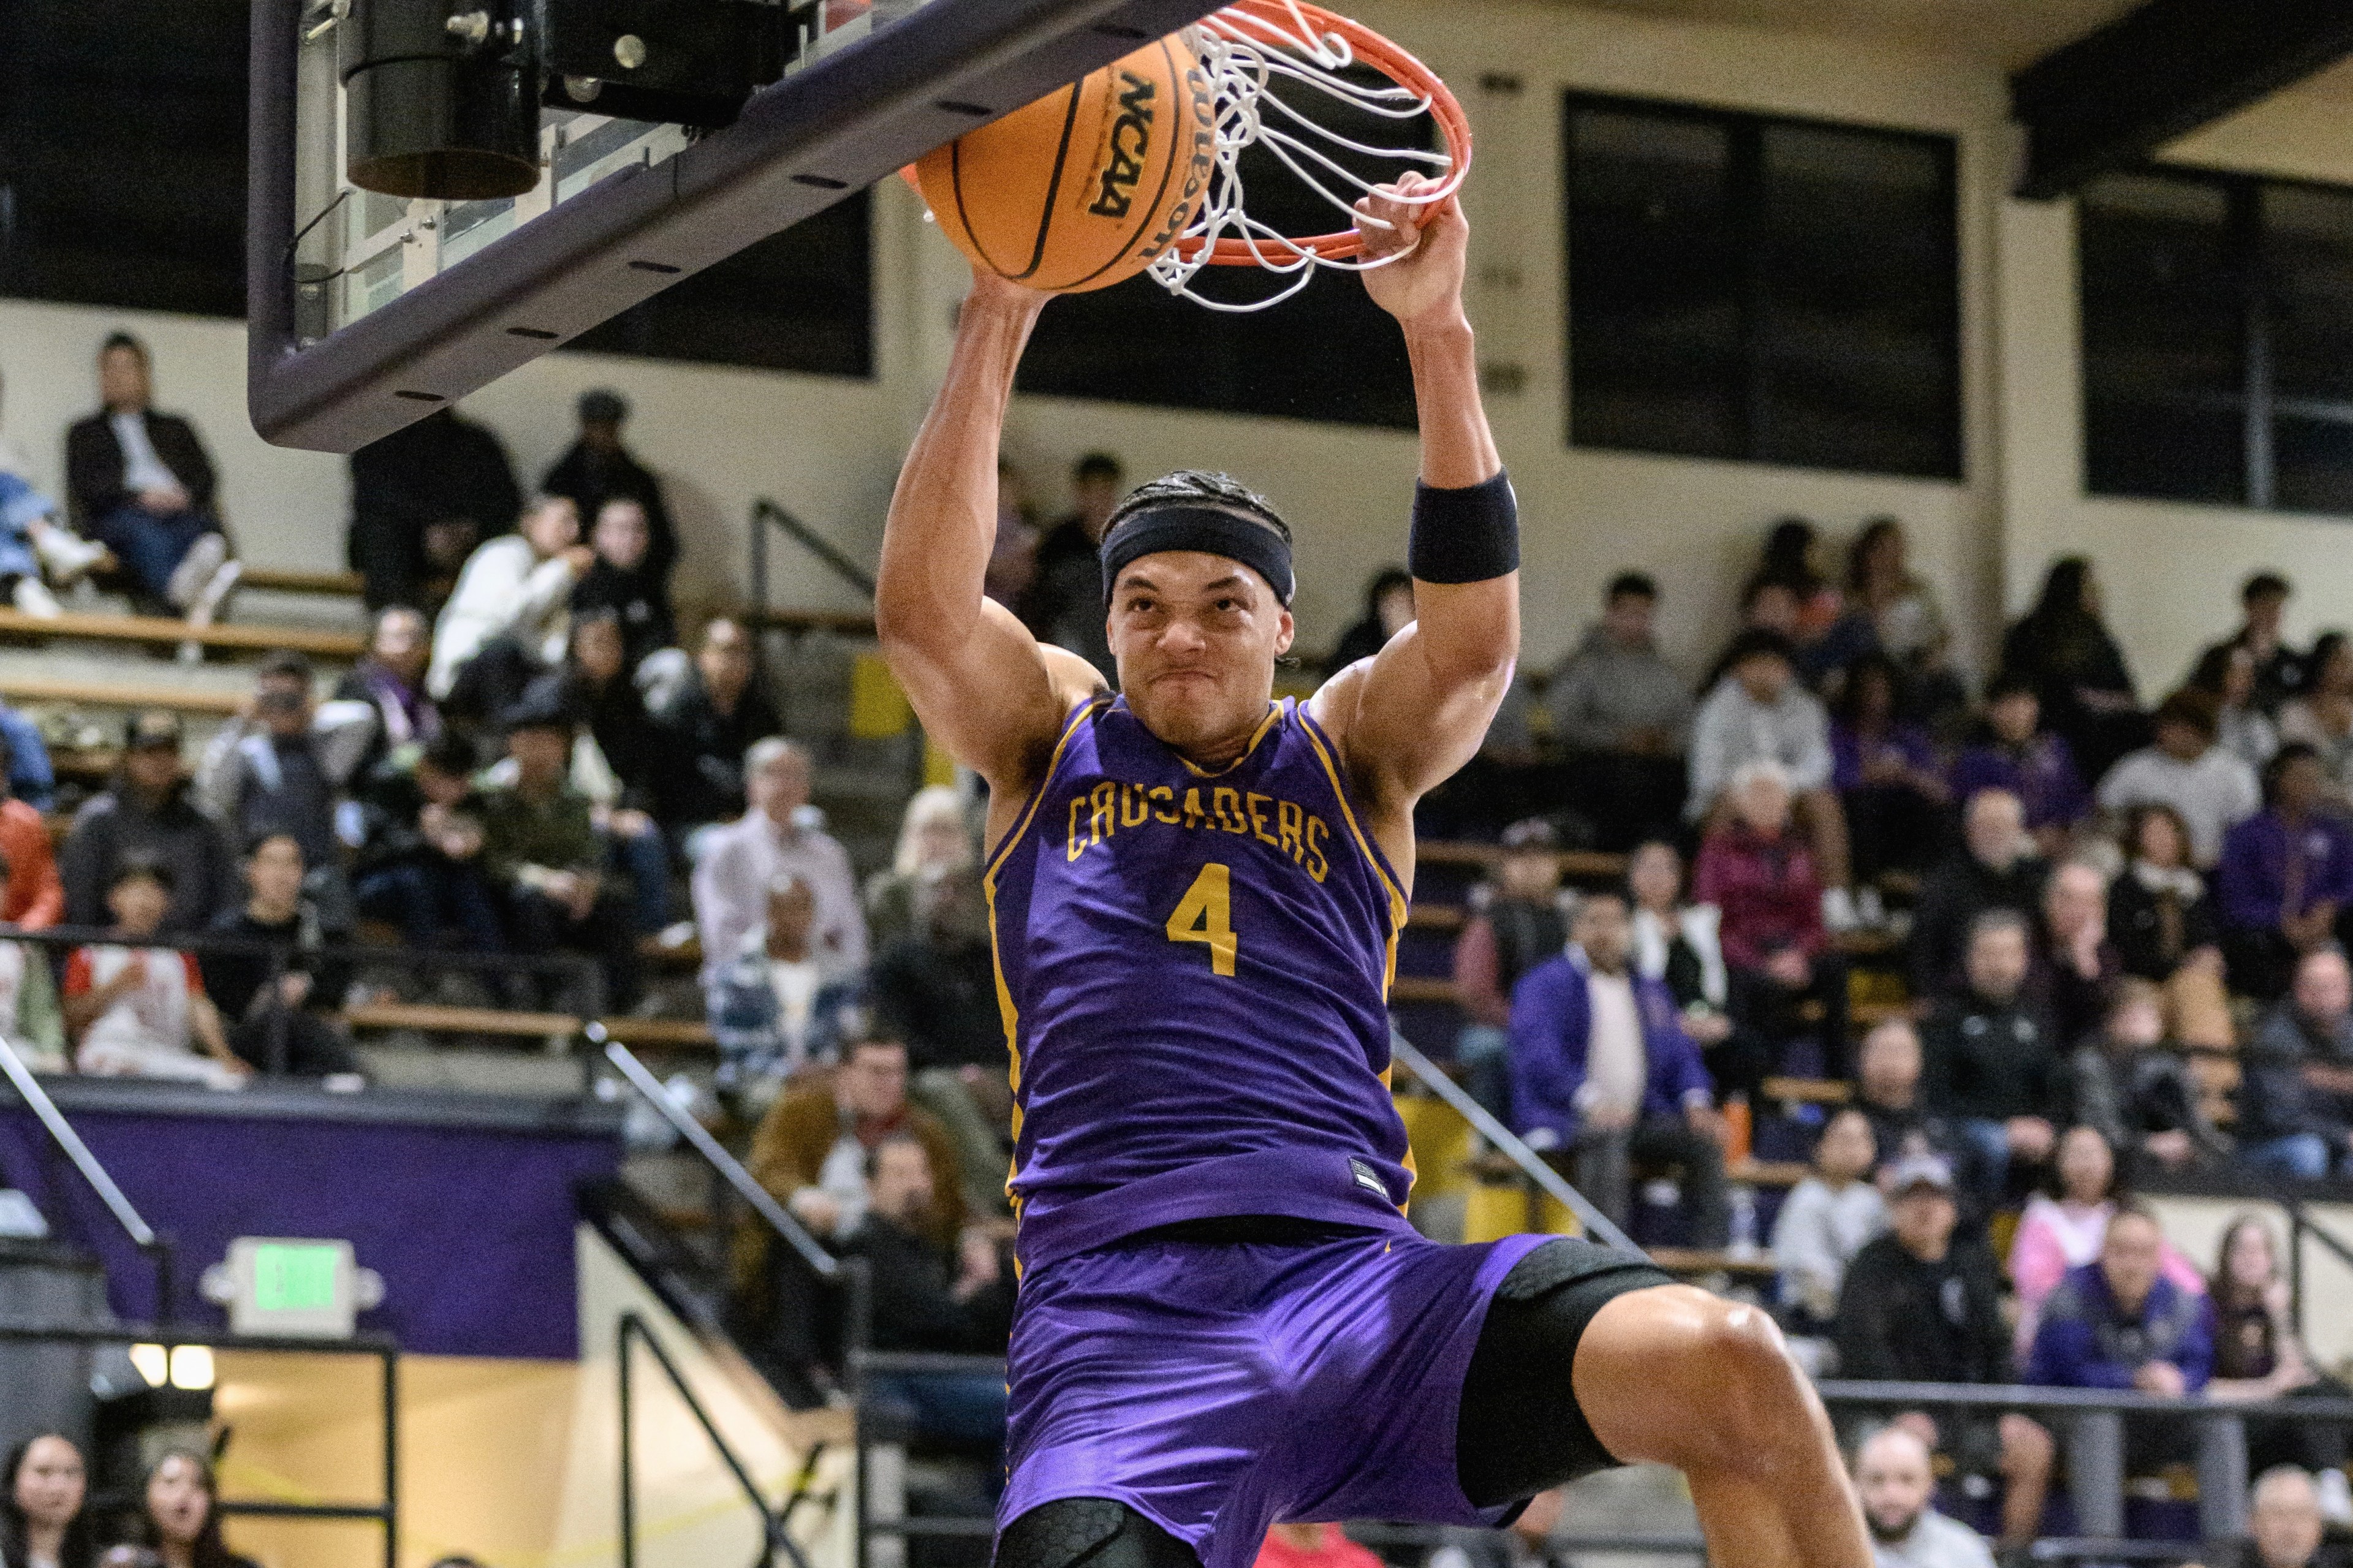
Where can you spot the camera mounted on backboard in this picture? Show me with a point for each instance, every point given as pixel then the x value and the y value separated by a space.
pixel 443 96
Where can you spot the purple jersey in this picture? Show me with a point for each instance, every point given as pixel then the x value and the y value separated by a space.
pixel 1193 969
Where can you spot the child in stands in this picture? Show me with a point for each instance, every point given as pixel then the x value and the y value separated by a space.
pixel 137 1010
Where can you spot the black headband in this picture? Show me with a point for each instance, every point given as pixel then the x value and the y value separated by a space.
pixel 1210 529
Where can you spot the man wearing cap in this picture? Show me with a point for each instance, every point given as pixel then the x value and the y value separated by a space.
pixel 1921 1305
pixel 1518 926
pixel 597 468
pixel 147 812
pixel 541 854
pixel 2212 789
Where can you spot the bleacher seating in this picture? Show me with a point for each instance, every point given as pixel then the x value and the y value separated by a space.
pixel 237 637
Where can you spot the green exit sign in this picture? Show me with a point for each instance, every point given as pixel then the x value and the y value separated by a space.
pixel 295 1277
pixel 305 1287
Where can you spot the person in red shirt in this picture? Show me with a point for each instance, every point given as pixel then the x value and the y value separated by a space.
pixel 34 896
pixel 1313 1546
pixel 1762 877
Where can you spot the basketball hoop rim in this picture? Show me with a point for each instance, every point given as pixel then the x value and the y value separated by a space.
pixel 1391 60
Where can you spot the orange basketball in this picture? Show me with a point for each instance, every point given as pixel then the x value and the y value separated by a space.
pixel 1089 185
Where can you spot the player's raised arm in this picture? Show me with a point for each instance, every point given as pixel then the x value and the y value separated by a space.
pixel 983 687
pixel 1418 710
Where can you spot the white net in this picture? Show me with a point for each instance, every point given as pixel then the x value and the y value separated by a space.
pixel 1248 50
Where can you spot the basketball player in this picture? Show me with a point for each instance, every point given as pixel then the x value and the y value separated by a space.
pixel 1197 892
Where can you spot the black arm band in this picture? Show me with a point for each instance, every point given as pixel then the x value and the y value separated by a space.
pixel 1467 535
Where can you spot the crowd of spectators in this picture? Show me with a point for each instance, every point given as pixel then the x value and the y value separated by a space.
pixel 2118 935
pixel 2088 902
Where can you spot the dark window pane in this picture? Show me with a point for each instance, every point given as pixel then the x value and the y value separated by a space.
pixel 799 300
pixel 122 153
pixel 1769 290
pixel 2314 460
pixel 1327 352
pixel 1856 336
pixel 123 163
pixel 2164 340
pixel 1654 258
pixel 2309 265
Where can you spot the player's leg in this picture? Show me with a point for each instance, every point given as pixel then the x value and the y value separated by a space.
pixel 1676 1375
pixel 1097 1533
pixel 1589 1358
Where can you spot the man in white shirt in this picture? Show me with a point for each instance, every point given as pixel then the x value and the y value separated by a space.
pixel 1892 1472
pixel 2213 789
pixel 513 603
pixel 739 863
pixel 1602 1071
pixel 143 485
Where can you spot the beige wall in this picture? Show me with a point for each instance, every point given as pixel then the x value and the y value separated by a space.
pixel 829 448
pixel 515 1463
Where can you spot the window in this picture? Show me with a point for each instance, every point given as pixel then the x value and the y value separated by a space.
pixel 798 301
pixel 122 165
pixel 2218 340
pixel 122 154
pixel 1328 353
pixel 1772 290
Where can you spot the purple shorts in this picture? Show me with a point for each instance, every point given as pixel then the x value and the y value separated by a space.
pixel 1217 1388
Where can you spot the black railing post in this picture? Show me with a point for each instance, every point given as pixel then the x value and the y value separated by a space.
pixel 391 1461
pixel 2295 1267
pixel 629 1460
pixel 160 1251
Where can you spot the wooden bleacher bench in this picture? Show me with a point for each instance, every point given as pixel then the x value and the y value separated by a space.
pixel 1575 864
pixel 1808 1091
pixel 18 687
pixel 1437 917
pixel 1496 1166
pixel 291 580
pixel 1422 988
pixel 162 629
pixel 660 1034
pixel 1687 1261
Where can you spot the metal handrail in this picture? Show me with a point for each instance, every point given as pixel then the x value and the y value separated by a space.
pixel 384 1347
pixel 2300 1224
pixel 118 1204
pixel 1509 1144
pixel 773 1537
pixel 765 512
pixel 821 1263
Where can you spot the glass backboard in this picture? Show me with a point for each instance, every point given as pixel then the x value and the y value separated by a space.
pixel 368 310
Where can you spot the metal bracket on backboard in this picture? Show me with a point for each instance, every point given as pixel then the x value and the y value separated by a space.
pixel 838 125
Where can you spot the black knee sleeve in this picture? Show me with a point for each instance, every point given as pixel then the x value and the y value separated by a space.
pixel 1520 1429
pixel 1095 1532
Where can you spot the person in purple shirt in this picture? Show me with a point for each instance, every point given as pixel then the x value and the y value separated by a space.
pixel 1196 895
pixel 2030 763
pixel 2118 1323
pixel 2284 884
pixel 1886 773
pixel 1602 1070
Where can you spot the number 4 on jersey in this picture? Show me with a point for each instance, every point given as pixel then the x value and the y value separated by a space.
pixel 1205 914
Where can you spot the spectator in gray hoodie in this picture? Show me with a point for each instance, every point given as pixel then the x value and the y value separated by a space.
pixel 1624 715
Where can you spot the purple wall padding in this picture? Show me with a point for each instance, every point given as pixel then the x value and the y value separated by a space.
pixel 466 1207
